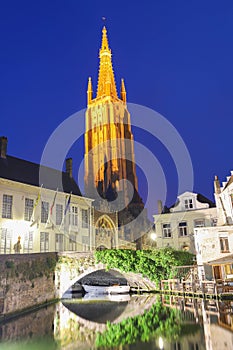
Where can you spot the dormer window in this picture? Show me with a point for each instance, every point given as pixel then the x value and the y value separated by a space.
pixel 188 203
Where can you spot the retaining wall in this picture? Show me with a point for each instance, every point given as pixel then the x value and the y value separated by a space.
pixel 26 281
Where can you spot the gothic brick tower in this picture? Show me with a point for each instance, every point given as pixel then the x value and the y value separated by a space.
pixel 109 143
pixel 109 147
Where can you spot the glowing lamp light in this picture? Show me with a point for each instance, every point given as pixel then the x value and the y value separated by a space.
pixel 18 227
pixel 161 345
pixel 153 236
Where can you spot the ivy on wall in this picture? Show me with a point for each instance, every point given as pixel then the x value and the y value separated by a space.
pixel 29 270
pixel 155 264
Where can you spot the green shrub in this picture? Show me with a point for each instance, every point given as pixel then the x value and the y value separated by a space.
pixel 9 264
pixel 154 264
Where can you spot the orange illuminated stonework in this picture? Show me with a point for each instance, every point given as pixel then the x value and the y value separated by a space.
pixel 109 145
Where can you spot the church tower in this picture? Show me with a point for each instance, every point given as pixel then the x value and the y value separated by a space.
pixel 109 143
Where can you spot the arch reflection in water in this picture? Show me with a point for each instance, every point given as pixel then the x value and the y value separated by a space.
pixel 168 322
pixel 80 320
pixel 99 312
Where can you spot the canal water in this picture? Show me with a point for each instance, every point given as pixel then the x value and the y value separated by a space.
pixel 123 322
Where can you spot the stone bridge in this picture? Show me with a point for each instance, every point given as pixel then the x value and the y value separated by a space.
pixel 30 280
pixel 72 267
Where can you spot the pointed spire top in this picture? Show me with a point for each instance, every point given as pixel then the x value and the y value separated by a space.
pixel 123 91
pixel 122 85
pixel 89 84
pixel 89 91
pixel 104 45
pixel 106 80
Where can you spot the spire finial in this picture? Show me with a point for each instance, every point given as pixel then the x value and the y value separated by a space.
pixel 123 91
pixel 89 91
pixel 104 45
pixel 106 80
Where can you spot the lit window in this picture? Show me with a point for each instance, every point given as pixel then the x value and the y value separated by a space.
pixel 28 209
pixel 183 229
pixel 44 211
pixel 74 216
pixel 188 203
pixel 7 206
pixel 224 244
pixel 199 223
pixel 84 218
pixel 5 242
pixel 59 214
pixel 167 231
pixel 44 242
pixel 28 242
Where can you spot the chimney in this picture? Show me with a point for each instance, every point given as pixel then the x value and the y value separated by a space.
pixel 3 146
pixel 217 188
pixel 160 207
pixel 69 170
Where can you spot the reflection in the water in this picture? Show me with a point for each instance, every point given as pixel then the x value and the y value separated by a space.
pixel 147 321
pixel 21 332
pixel 90 311
pixel 215 315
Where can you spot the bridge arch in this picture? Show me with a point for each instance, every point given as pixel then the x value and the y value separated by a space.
pixel 74 266
pixel 69 283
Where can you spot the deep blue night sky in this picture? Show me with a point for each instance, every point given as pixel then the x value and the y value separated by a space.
pixel 176 58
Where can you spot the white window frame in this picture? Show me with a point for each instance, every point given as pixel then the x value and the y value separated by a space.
pixel 167 233
pixel 28 209
pixel 44 242
pixel 188 203
pixel 28 242
pixel 85 218
pixel 224 244
pixel 183 229
pixel 44 212
pixel 7 202
pixel 5 241
pixel 74 215
pixel 199 222
pixel 59 242
pixel 59 214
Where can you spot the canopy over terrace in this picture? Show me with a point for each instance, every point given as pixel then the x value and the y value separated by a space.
pixel 222 267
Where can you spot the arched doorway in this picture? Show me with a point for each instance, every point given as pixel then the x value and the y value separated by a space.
pixel 105 233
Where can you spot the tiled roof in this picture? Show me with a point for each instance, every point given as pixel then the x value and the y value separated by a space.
pixel 26 172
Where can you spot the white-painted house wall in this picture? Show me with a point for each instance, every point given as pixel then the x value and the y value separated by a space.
pixel 207 240
pixel 199 213
pixel 17 226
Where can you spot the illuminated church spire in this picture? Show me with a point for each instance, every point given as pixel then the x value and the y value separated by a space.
pixel 106 80
pixel 109 144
